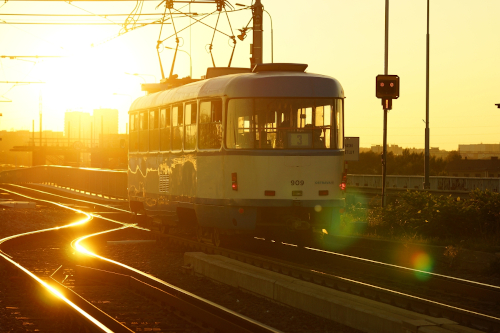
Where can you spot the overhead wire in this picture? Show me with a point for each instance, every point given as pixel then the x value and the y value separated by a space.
pixel 131 17
pixel 197 21
pixel 75 23
pixel 15 85
pixel 104 15
pixel 29 33
pixel 71 4
pixel 142 23
pixel 78 15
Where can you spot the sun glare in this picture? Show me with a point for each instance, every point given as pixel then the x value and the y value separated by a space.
pixel 88 77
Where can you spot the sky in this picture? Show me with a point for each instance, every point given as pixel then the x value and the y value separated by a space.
pixel 342 39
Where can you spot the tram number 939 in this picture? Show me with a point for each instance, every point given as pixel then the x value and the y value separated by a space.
pixel 297 182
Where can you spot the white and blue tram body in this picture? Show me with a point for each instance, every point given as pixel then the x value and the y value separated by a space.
pixel 258 152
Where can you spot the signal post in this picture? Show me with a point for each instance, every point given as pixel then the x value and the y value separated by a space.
pixel 387 89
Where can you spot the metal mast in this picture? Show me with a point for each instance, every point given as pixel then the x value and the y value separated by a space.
pixel 386 104
pixel 427 130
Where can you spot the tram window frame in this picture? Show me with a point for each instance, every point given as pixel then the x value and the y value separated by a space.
pixel 177 115
pixel 213 116
pixel 164 127
pixel 190 125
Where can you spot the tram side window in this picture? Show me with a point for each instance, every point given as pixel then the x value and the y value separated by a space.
pixel 322 126
pixel 143 131
pixel 210 131
pixel 154 132
pixel 190 126
pixel 165 129
pixel 177 127
pixel 131 123
pixel 240 133
pixel 134 133
pixel 153 119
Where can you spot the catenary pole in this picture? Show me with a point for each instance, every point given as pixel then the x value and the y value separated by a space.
pixel 427 184
pixel 385 105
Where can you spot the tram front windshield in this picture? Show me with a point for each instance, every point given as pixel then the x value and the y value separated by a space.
pixel 281 123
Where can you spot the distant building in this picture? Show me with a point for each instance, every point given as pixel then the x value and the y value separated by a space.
pixel 479 151
pixel 395 149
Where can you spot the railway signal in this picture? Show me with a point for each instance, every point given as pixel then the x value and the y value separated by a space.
pixel 387 86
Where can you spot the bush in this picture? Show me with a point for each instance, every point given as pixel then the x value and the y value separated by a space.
pixel 426 215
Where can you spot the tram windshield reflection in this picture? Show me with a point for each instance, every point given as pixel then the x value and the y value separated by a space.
pixel 281 123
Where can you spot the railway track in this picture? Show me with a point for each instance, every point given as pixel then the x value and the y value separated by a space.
pixel 466 302
pixel 27 256
pixel 449 288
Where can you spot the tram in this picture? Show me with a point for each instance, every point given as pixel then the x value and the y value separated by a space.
pixel 257 152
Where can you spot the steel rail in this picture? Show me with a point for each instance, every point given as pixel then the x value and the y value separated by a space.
pixel 450 284
pixel 88 307
pixel 62 196
pixel 213 315
pixel 417 304
pixel 217 317
pixel 86 318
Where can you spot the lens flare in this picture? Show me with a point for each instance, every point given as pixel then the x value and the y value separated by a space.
pixel 423 262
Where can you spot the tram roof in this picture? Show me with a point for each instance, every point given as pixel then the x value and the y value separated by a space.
pixel 248 85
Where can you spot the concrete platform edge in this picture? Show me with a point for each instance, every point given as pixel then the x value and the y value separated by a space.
pixel 354 311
